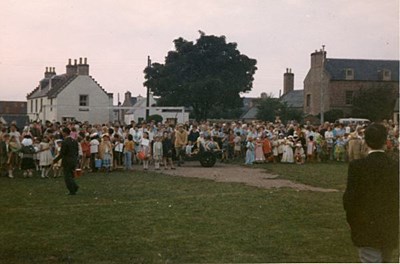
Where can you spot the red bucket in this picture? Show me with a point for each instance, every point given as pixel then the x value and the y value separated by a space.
pixel 77 173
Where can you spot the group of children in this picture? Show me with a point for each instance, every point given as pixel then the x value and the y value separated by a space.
pixel 30 155
pixel 112 152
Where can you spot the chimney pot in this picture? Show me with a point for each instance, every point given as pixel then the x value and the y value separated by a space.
pixel 83 69
pixel 76 61
pixel 69 61
pixel 47 69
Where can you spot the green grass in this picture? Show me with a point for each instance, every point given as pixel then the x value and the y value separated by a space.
pixel 332 175
pixel 151 218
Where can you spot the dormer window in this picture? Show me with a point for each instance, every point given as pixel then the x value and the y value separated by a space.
pixel 349 74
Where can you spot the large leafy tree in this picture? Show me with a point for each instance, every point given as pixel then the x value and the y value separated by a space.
pixel 207 75
pixel 375 103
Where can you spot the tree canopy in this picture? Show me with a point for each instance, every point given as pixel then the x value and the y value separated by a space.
pixel 375 103
pixel 208 75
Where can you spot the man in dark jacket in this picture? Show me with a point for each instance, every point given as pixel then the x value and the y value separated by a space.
pixel 69 155
pixel 371 199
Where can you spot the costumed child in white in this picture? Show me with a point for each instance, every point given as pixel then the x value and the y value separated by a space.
pixel 157 152
pixel 299 154
pixel 287 156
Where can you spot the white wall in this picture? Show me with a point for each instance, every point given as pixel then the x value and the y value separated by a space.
pixel 141 113
pixel 44 109
pixel 99 109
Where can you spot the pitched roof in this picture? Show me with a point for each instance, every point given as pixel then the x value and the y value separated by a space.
pixel 58 82
pixel 294 98
pixel 248 102
pixel 130 102
pixel 250 114
pixel 365 70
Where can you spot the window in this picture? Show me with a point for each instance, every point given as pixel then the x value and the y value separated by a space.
pixel 68 119
pixel 308 100
pixel 349 74
pixel 51 104
pixel 31 102
pixel 387 75
pixel 41 104
pixel 349 97
pixel 36 106
pixel 83 100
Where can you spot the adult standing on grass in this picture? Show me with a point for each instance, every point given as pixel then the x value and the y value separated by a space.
pixel 181 140
pixel 69 156
pixel 371 199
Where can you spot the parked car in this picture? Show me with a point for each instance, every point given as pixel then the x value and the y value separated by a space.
pixel 354 121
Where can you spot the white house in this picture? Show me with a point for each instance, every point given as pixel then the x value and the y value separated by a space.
pixel 137 113
pixel 74 95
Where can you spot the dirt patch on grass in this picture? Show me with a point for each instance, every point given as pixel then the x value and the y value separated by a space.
pixel 240 174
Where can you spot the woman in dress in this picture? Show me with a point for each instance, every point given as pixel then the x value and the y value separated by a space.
pixel 45 157
pixel 259 153
pixel 106 152
pixel 250 151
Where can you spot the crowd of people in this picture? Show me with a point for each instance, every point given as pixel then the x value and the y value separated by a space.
pixel 107 147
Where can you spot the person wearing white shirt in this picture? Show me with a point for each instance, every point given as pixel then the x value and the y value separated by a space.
pixel 94 150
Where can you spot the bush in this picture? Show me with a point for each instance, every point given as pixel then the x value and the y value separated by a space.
pixel 155 118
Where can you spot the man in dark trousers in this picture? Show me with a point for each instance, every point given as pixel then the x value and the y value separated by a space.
pixel 371 199
pixel 69 156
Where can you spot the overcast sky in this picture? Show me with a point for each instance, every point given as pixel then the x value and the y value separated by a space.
pixel 116 36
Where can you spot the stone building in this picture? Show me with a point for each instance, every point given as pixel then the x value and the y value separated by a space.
pixel 339 80
pixel 74 95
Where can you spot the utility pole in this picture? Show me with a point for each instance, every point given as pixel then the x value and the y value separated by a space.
pixel 321 83
pixel 119 110
pixel 148 93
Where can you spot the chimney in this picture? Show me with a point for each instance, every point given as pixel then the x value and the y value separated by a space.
pixel 288 81
pixel 50 71
pixel 83 67
pixel 128 97
pixel 317 58
pixel 71 69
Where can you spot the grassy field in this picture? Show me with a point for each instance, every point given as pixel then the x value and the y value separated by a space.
pixel 332 175
pixel 151 218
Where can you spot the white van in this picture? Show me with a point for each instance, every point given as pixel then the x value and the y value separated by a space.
pixel 353 121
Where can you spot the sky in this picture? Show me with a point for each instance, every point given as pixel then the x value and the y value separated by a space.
pixel 116 36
